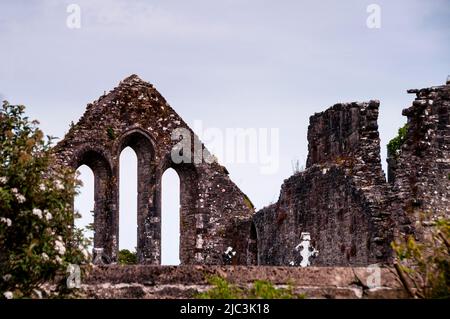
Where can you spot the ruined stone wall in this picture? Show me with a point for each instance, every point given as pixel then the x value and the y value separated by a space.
pixel 188 281
pixel 420 171
pixel 135 114
pixel 339 199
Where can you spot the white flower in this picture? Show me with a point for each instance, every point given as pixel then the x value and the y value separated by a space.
pixel 59 246
pixel 20 198
pixel 37 212
pixel 7 221
pixel 83 251
pixel 8 295
pixel 48 215
pixel 44 256
pixel 59 185
pixel 7 277
pixel 42 187
pixel 58 260
pixel 3 180
pixel 38 293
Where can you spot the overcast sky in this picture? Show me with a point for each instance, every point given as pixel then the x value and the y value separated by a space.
pixel 228 63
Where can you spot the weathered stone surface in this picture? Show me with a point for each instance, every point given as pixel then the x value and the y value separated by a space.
pixel 144 281
pixel 135 114
pixel 420 172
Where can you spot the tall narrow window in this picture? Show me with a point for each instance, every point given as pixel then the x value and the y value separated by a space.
pixel 252 249
pixel 170 218
pixel 128 200
pixel 84 203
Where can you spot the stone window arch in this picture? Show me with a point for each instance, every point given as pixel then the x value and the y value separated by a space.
pixel 104 221
pixel 170 217
pixel 142 145
pixel 192 225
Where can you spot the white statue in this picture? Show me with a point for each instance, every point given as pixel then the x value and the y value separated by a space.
pixel 307 250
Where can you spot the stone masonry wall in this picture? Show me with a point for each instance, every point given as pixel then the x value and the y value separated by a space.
pixel 420 171
pixel 135 114
pixel 187 281
pixel 339 199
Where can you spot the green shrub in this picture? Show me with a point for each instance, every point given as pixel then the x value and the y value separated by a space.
pixel 127 257
pixel 260 289
pixel 424 267
pixel 396 143
pixel 222 289
pixel 37 241
pixel 265 290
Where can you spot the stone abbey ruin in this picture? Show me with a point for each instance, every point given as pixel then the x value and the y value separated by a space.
pixel 341 199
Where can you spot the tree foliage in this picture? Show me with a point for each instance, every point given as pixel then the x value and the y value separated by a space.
pixel 37 239
pixel 396 143
pixel 126 257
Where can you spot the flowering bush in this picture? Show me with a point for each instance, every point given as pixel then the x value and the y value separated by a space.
pixel 37 237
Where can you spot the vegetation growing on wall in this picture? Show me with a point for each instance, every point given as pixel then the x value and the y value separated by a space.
pixel 396 143
pixel 297 167
pixel 248 202
pixel 223 289
pixel 111 133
